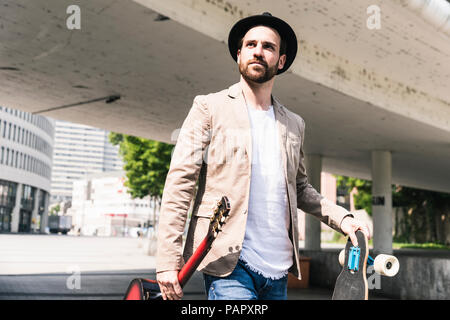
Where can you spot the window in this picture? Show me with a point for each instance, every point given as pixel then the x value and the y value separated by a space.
pixel 28 195
pixel 11 163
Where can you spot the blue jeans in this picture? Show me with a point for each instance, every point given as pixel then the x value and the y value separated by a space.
pixel 245 284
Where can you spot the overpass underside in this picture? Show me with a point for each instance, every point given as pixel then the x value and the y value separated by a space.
pixel 358 89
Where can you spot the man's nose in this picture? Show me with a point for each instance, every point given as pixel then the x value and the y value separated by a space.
pixel 258 50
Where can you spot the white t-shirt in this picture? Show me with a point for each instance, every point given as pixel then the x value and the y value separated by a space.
pixel 267 248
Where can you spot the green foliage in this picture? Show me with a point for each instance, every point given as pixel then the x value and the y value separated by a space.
pixel 55 210
pixel 422 216
pixel 146 164
pixel 363 199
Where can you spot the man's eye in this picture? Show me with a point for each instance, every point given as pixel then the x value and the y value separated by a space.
pixel 250 44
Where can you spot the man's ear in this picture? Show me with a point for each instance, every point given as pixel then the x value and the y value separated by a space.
pixel 238 55
pixel 281 61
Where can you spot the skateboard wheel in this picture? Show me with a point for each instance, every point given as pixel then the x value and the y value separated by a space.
pixel 386 265
pixel 342 257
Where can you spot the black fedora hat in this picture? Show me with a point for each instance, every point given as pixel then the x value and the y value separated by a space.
pixel 266 19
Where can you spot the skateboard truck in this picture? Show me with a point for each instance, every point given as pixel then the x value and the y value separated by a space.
pixel 370 260
pixel 353 258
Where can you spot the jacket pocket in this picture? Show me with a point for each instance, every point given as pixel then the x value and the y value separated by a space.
pixel 294 140
pixel 294 149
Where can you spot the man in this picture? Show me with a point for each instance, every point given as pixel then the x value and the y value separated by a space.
pixel 244 144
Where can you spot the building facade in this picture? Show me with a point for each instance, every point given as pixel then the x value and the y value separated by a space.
pixel 26 149
pixel 79 151
pixel 102 206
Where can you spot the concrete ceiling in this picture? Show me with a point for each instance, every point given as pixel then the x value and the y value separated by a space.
pixel 357 89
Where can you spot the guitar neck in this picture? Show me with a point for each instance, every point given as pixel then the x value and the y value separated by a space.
pixel 194 261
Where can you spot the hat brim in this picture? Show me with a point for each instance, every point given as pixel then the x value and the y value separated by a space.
pixel 241 27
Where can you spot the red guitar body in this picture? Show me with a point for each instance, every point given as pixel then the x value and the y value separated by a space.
pixel 143 289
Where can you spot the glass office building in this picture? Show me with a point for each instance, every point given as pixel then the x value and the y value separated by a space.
pixel 79 151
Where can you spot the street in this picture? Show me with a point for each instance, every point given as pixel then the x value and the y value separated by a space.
pixel 69 267
pixel 64 267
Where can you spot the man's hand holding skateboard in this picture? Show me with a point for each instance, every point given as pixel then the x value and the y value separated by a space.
pixel 350 225
pixel 351 283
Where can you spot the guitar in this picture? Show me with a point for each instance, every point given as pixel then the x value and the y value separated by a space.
pixel 148 289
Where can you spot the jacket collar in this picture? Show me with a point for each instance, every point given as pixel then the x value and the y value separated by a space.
pixel 235 90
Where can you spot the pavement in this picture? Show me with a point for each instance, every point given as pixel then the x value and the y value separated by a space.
pixel 63 267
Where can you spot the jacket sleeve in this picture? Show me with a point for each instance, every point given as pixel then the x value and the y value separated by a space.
pixel 180 184
pixel 311 201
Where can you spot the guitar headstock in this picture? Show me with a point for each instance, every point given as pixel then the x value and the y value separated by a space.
pixel 220 213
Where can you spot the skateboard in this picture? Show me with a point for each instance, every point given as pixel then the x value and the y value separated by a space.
pixel 351 284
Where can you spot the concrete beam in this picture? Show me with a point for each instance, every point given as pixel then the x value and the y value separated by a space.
pixel 374 72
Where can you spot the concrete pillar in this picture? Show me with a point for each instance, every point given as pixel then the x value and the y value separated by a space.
pixel 313 164
pixel 382 201
pixel 44 216
pixel 15 216
pixel 35 212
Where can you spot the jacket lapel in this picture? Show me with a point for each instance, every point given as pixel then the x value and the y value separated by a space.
pixel 241 118
pixel 281 119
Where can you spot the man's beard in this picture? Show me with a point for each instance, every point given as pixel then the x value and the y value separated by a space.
pixel 261 77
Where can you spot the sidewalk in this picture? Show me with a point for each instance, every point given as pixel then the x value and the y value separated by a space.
pixel 112 285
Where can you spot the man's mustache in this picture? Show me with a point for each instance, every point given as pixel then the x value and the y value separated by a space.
pixel 257 61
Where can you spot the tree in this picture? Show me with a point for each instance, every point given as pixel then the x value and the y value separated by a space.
pixel 425 215
pixel 422 215
pixel 54 210
pixel 146 164
pixel 363 199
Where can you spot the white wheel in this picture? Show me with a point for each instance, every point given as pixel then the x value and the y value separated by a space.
pixel 386 265
pixel 342 257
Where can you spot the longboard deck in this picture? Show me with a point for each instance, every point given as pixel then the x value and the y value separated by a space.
pixel 352 285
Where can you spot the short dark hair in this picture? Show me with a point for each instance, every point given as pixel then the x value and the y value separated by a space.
pixel 282 45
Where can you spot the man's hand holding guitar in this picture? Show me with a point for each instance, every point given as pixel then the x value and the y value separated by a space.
pixel 169 285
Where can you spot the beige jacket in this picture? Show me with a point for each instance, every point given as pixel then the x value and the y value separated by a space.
pixel 214 148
